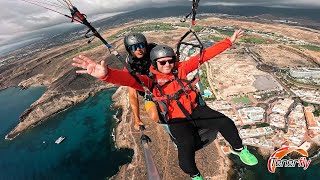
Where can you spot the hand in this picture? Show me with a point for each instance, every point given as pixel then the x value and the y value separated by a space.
pixel 90 67
pixel 237 34
pixel 137 125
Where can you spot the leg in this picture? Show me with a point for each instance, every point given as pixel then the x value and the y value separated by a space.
pixel 183 132
pixel 206 117
pixel 134 104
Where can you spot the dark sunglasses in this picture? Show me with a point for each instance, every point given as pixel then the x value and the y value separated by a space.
pixel 134 47
pixel 162 63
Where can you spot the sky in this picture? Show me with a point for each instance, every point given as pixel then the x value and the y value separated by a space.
pixel 18 17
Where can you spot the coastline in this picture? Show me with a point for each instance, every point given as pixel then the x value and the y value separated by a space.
pixel 87 127
pixel 123 139
pixel 48 105
pixel 265 153
pixel 53 70
pixel 126 137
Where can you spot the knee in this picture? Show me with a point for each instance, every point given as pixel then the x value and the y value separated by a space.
pixel 154 116
pixel 227 121
pixel 152 111
pixel 230 122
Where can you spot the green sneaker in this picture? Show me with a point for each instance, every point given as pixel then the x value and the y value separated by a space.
pixel 245 156
pixel 198 178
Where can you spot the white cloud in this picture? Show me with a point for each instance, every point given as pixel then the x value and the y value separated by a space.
pixel 283 3
pixel 18 16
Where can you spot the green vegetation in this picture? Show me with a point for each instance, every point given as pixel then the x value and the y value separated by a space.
pixel 206 85
pixel 246 127
pixel 210 98
pixel 197 28
pixel 263 125
pixel 316 112
pixel 79 50
pixel 110 39
pixel 204 79
pixel 145 27
pixel 244 100
pixel 226 32
pixel 215 38
pixel 184 24
pixel 311 47
pixel 305 104
pixel 254 40
pixel 152 27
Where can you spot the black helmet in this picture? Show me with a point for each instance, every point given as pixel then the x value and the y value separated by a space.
pixel 161 51
pixel 134 38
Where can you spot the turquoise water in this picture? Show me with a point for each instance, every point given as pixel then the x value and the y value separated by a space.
pixel 87 152
pixel 13 102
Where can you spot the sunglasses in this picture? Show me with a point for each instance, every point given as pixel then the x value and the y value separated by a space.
pixel 162 63
pixel 134 47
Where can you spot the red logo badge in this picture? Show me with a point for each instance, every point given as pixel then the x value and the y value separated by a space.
pixel 275 160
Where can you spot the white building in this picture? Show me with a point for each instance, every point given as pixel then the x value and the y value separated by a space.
pixel 251 114
pixel 282 106
pixel 249 133
pixel 306 145
pixel 277 120
pixel 305 73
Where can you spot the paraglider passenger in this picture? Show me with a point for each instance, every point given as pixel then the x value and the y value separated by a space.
pixel 139 60
pixel 185 114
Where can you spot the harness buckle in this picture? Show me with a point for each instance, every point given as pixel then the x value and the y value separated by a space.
pixel 148 97
pixel 175 96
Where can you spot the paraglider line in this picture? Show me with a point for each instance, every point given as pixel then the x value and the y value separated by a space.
pixel 52 10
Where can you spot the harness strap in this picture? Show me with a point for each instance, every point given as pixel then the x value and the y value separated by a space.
pixel 182 87
pixel 165 108
pixel 185 112
pixel 175 73
pixel 175 95
pixel 164 114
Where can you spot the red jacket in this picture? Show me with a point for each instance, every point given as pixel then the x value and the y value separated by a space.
pixel 123 78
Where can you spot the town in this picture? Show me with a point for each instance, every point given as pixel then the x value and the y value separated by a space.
pixel 284 107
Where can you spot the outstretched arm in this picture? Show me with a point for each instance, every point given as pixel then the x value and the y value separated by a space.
pixel 211 52
pixel 114 76
pixel 90 67
pixel 236 35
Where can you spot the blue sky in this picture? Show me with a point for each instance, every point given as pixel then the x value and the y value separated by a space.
pixel 18 17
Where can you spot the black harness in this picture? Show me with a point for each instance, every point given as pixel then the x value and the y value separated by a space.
pixel 141 65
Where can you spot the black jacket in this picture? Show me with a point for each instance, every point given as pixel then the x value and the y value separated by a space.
pixel 141 65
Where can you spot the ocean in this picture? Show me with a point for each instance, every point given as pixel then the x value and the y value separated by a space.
pixel 88 152
pixel 260 171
